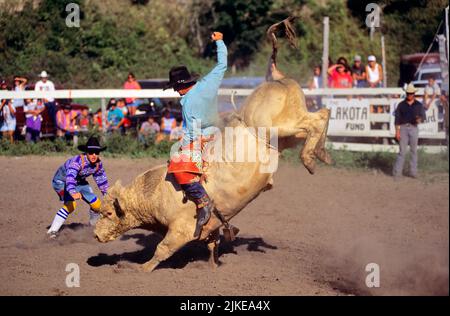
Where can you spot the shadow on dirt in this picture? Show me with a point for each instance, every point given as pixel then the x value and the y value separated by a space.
pixel 72 226
pixel 193 251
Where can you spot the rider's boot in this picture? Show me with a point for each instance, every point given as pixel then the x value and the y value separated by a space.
pixel 204 208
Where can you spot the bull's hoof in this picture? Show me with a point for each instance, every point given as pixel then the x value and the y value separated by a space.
pixel 310 165
pixel 324 156
pixel 213 264
pixel 149 266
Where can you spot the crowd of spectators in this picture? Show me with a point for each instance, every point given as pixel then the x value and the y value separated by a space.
pixel 70 123
pixel 342 75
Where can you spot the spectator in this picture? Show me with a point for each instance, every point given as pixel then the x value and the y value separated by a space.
pixel 127 122
pixel 343 61
pixel 432 90
pixel 111 101
pixel 374 73
pixel 33 119
pixel 98 120
pixel 3 85
pixel 19 85
pixel 358 73
pixel 177 133
pixel 7 119
pixel 84 121
pixel 148 130
pixel 408 114
pixel 340 76
pixel 46 85
pixel 132 84
pixel 168 123
pixel 316 81
pixel 121 105
pixel 66 123
pixel 314 104
pixel 115 118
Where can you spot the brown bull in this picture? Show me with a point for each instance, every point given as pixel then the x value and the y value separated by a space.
pixel 154 200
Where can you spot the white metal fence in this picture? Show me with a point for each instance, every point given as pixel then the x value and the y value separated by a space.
pixel 369 124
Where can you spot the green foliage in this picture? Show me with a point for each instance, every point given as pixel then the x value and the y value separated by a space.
pixel 149 37
pixel 244 22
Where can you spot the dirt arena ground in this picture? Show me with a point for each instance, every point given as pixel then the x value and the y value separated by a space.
pixel 309 235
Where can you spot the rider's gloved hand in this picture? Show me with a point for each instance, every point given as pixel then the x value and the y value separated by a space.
pixel 216 36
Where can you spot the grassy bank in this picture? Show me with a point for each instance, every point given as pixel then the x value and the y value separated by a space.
pixel 129 146
pixel 380 161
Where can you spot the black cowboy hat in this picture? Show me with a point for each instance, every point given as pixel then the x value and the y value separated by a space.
pixel 91 145
pixel 180 77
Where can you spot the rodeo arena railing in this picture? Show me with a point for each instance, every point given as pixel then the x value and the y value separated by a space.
pixel 361 119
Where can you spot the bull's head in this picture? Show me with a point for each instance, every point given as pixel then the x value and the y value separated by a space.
pixel 114 220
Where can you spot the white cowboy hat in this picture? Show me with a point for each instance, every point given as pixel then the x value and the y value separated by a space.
pixel 43 74
pixel 410 88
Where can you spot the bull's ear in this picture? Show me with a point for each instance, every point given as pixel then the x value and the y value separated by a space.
pixel 118 208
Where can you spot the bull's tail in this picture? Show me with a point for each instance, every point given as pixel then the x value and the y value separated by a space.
pixel 272 72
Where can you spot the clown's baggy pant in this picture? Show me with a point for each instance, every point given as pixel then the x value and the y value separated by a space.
pixel 83 187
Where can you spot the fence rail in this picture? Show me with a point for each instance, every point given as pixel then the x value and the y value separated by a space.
pixel 373 96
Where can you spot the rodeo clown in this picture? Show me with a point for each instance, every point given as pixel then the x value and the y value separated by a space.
pixel 70 184
pixel 199 111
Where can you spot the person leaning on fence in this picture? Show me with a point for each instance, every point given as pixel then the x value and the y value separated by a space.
pixel 19 85
pixel 33 119
pixel 358 73
pixel 408 114
pixel 66 119
pixel 7 119
pixel 115 118
pixel 148 130
pixel 132 84
pixel 46 85
pixel 432 92
pixel 374 73
pixel 71 185
pixel 168 123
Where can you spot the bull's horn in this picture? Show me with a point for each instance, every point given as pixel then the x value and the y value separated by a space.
pixel 119 211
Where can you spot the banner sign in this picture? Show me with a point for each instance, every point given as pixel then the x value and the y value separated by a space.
pixel 349 117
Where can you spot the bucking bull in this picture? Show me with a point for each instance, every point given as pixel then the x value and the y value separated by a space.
pixel 154 200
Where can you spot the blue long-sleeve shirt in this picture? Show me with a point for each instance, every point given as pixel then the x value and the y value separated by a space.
pixel 200 103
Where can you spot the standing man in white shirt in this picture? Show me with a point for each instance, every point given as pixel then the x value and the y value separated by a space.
pixel 46 85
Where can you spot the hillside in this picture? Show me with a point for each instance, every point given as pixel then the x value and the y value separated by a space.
pixel 118 36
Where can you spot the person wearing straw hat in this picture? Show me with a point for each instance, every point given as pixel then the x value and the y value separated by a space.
pixel 46 85
pixel 71 185
pixel 408 114
pixel 200 114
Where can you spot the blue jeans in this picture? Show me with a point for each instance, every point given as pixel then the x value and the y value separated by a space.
pixel 194 191
pixel 409 134
pixel 59 185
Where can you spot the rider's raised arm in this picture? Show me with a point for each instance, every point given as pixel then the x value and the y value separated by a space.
pixel 211 82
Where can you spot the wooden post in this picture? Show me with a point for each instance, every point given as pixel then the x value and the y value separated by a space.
pixel 446 31
pixel 326 31
pixel 383 54
pixel 104 117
